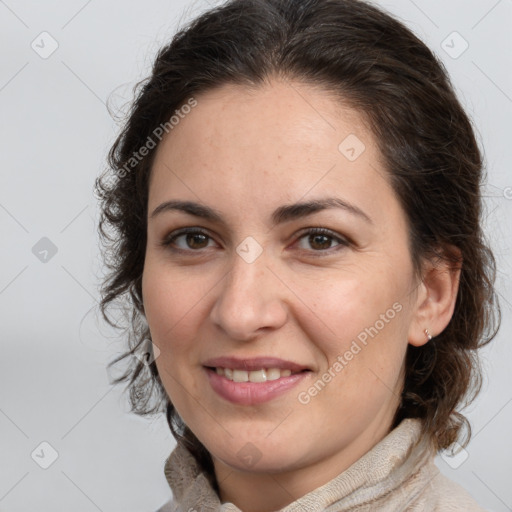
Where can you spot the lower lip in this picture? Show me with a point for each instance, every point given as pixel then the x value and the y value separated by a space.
pixel 251 393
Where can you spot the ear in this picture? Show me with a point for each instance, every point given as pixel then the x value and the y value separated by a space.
pixel 436 297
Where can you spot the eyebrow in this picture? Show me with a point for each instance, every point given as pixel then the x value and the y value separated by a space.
pixel 282 214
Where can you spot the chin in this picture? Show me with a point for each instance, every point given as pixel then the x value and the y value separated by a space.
pixel 259 456
pixel 263 465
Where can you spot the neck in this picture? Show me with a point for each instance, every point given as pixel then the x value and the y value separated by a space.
pixel 271 491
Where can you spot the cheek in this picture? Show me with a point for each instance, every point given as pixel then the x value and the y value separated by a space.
pixel 352 307
pixel 171 304
pixel 358 322
pixel 358 327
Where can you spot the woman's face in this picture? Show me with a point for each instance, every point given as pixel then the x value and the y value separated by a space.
pixel 254 282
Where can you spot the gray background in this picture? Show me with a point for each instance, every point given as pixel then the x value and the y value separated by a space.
pixel 55 133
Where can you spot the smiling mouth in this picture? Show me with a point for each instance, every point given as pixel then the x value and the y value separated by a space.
pixel 260 375
pixel 255 386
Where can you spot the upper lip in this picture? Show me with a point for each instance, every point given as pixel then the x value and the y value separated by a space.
pixel 256 363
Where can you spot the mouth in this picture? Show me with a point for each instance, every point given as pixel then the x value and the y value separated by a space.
pixel 259 375
pixel 253 381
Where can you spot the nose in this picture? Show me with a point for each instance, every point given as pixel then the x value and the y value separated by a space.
pixel 250 300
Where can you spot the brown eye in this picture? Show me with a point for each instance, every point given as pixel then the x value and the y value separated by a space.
pixel 321 240
pixel 195 240
pixel 191 240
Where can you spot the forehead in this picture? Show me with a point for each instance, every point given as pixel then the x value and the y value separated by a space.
pixel 280 140
pixel 277 116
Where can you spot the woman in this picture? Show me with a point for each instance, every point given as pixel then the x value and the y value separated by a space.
pixel 294 218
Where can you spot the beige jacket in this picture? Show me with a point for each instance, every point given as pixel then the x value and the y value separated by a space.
pixel 394 476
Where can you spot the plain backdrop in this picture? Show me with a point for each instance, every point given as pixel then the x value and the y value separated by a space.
pixel 61 62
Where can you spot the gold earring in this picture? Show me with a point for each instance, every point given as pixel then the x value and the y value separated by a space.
pixel 429 336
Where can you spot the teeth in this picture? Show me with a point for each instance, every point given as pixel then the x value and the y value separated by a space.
pixel 253 376
pixel 258 376
pixel 240 376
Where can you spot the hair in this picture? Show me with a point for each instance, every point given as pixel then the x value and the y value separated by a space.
pixel 373 63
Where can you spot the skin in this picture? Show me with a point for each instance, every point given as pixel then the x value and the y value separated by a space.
pixel 245 153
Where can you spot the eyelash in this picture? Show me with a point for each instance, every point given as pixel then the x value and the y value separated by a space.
pixel 343 242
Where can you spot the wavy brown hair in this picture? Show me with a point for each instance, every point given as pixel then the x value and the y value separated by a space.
pixel 373 63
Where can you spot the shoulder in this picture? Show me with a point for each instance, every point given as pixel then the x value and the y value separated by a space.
pixel 168 507
pixel 448 496
pixel 460 498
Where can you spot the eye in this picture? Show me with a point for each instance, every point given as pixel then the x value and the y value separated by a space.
pixel 321 239
pixel 192 240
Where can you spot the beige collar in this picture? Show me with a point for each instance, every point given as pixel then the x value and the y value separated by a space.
pixel 385 478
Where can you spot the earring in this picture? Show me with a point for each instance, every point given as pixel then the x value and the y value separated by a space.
pixel 429 336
